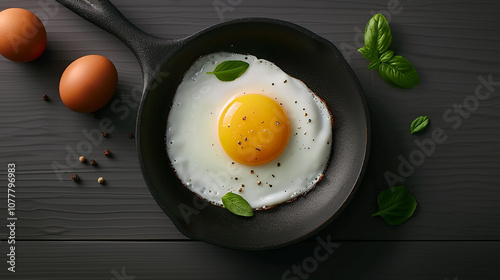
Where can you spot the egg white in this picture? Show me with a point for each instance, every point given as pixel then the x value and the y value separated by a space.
pixel 200 161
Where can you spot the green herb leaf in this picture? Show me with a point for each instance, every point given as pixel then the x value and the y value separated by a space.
pixel 419 123
pixel 388 54
pixel 399 72
pixel 378 35
pixel 369 54
pixel 374 64
pixel 229 70
pixel 237 204
pixel 396 205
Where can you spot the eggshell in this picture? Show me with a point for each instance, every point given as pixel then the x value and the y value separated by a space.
pixel 22 35
pixel 88 83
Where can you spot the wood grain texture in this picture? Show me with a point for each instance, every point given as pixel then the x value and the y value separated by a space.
pixel 450 43
pixel 50 260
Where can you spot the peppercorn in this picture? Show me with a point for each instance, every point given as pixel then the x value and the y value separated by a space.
pixel 107 152
pixel 93 162
pixel 130 135
pixel 105 134
pixel 100 180
pixel 75 177
pixel 82 159
pixel 45 97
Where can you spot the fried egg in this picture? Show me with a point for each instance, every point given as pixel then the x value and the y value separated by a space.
pixel 265 136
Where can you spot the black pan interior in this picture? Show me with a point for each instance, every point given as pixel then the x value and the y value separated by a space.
pixel 302 55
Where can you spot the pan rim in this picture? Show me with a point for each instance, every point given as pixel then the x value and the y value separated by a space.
pixel 348 198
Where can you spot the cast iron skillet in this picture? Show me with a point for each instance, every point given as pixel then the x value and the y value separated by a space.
pixel 301 54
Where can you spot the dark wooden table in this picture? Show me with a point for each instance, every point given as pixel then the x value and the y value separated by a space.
pixel 68 230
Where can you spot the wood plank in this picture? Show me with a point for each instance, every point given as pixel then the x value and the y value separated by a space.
pixel 193 260
pixel 450 43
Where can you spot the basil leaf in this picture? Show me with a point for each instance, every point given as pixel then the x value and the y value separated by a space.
pixel 378 35
pixel 396 205
pixel 388 54
pixel 399 72
pixel 418 124
pixel 374 64
pixel 229 70
pixel 237 204
pixel 369 54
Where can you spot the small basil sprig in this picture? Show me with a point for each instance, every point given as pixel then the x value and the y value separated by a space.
pixel 237 204
pixel 229 70
pixel 397 71
pixel 396 205
pixel 418 124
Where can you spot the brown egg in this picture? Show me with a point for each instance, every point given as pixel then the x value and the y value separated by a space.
pixel 88 83
pixel 22 35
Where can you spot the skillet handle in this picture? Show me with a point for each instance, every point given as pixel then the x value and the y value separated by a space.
pixel 151 51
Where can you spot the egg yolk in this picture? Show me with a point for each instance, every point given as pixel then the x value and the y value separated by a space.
pixel 253 129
